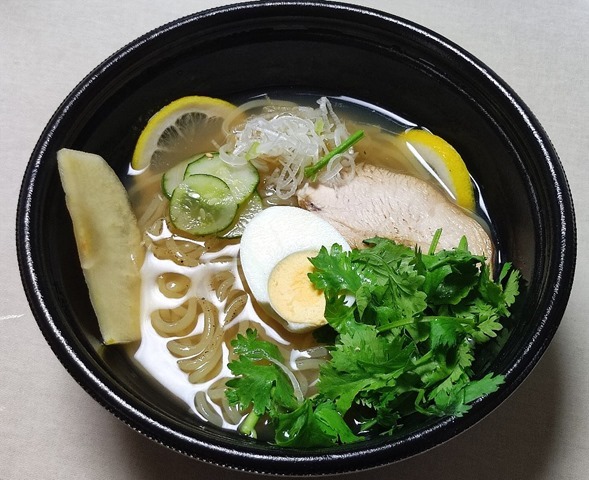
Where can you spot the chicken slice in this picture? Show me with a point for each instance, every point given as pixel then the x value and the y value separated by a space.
pixel 382 203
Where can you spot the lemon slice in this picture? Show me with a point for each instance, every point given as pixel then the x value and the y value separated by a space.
pixel 181 129
pixel 444 163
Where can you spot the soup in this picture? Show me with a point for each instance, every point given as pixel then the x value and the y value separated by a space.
pixel 231 214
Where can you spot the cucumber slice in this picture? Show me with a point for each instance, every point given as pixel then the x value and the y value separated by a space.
pixel 247 211
pixel 242 179
pixel 202 204
pixel 174 176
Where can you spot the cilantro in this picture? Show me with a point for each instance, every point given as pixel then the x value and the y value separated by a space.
pixel 261 384
pixel 313 424
pixel 255 376
pixel 406 328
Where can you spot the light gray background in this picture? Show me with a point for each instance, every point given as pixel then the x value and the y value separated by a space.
pixel 51 429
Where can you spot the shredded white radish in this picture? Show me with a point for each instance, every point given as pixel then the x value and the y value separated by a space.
pixel 287 139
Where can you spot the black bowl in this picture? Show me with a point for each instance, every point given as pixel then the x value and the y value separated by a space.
pixel 327 48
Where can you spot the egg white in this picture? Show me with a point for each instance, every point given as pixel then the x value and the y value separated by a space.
pixel 271 236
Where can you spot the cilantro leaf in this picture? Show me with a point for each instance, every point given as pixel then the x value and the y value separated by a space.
pixel 264 387
pixel 334 271
pixel 362 361
pixel 258 383
pixel 253 348
pixel 455 400
pixel 445 331
pixel 311 427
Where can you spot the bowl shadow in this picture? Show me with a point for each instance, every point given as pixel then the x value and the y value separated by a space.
pixel 514 442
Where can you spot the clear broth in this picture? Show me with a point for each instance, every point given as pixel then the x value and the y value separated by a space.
pixel 220 257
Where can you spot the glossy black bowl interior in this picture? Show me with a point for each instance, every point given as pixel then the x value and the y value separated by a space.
pixel 331 49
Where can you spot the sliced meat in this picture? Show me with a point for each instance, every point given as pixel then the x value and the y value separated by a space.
pixel 382 203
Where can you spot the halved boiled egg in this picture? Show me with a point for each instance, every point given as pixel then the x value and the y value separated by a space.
pixel 275 249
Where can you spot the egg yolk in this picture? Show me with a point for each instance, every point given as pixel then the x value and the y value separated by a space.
pixel 292 295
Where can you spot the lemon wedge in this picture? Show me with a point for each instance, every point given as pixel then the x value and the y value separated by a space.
pixel 443 162
pixel 181 129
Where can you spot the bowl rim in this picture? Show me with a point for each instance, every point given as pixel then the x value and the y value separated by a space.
pixel 284 461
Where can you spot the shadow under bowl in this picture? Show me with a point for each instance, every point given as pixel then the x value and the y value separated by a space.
pixel 331 49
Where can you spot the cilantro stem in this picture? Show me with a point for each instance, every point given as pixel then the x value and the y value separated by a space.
pixel 435 240
pixel 429 318
pixel 312 170
pixel 248 426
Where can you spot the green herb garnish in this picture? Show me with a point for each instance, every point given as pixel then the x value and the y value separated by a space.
pixel 312 170
pixel 404 346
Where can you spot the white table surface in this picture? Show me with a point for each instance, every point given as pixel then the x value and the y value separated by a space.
pixel 51 429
